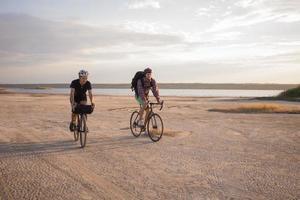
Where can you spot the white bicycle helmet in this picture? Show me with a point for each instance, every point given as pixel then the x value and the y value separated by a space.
pixel 83 73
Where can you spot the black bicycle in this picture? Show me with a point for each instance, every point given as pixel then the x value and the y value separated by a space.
pixel 81 129
pixel 153 123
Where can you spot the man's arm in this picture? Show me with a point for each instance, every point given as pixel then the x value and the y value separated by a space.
pixel 91 96
pixel 155 90
pixel 72 94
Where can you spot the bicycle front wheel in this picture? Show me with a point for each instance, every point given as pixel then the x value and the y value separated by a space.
pixel 155 127
pixel 76 131
pixel 135 129
pixel 83 130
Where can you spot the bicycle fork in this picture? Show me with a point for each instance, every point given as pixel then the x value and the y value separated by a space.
pixel 153 122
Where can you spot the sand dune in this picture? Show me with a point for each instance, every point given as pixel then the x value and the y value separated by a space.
pixel 203 155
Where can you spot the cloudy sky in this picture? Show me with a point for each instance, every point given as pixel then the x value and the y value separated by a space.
pixel 206 41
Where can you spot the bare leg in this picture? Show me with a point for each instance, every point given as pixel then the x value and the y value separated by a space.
pixel 84 103
pixel 146 116
pixel 141 113
pixel 73 121
pixel 73 118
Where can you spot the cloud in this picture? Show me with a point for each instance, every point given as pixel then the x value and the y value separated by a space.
pixel 252 12
pixel 154 28
pixel 190 37
pixel 139 4
pixel 25 33
pixel 227 36
pixel 26 39
pixel 251 18
pixel 203 12
pixel 247 3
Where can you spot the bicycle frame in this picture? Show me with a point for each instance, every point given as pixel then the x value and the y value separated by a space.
pixel 150 107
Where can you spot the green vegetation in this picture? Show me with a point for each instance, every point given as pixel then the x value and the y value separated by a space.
pixel 42 88
pixel 290 93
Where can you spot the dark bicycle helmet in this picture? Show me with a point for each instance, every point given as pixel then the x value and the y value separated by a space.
pixel 147 70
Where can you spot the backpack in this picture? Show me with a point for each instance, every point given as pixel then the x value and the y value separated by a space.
pixel 138 75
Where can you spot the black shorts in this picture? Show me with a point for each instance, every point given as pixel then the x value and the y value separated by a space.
pixel 83 109
pixel 78 99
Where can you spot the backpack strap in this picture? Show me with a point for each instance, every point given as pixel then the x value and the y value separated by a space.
pixel 151 82
pixel 143 82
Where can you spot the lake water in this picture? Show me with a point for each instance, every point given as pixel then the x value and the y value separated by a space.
pixel 164 92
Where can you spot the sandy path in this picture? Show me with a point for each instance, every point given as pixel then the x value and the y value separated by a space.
pixel 209 156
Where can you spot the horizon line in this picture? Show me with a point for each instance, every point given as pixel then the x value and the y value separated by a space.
pixel 158 83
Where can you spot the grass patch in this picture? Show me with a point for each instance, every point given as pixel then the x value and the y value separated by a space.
pixel 292 94
pixel 41 88
pixel 259 108
pixel 37 88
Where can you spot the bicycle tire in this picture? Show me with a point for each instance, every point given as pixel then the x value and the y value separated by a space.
pixel 135 130
pixel 83 131
pixel 152 125
pixel 76 131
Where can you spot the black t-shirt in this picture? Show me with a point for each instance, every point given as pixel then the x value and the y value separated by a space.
pixel 80 90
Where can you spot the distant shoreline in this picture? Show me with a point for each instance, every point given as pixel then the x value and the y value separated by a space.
pixel 225 86
pixel 201 93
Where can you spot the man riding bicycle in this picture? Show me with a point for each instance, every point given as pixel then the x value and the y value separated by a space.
pixel 79 87
pixel 144 85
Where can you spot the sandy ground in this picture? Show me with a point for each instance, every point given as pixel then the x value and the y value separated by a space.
pixel 204 155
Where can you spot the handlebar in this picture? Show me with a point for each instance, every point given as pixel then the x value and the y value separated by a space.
pixel 161 104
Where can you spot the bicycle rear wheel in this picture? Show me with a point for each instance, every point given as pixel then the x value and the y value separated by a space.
pixel 83 130
pixel 135 129
pixel 155 127
pixel 76 131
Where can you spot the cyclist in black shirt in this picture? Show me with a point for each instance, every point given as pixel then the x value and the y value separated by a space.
pixel 79 87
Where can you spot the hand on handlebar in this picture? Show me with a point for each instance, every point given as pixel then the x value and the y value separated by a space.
pixel 159 101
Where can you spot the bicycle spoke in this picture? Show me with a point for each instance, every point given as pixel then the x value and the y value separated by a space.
pixel 135 129
pixel 154 124
pixel 155 127
pixel 83 129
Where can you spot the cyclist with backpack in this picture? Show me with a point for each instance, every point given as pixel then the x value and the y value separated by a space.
pixel 142 83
